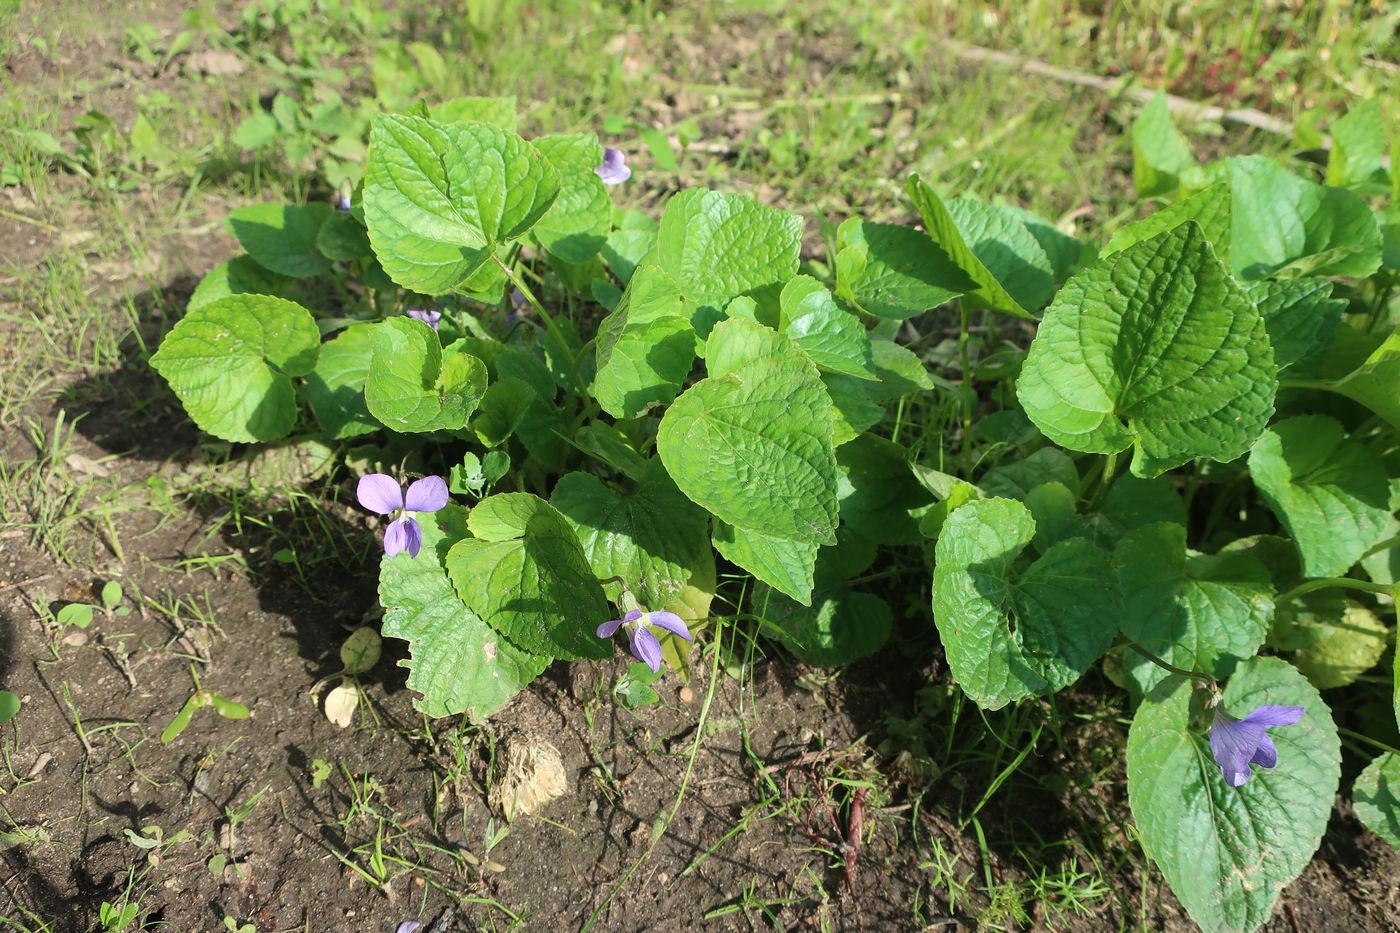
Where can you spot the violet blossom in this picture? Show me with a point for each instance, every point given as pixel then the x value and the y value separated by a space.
pixel 426 315
pixel 642 642
pixel 1239 743
pixel 382 494
pixel 342 203
pixel 614 170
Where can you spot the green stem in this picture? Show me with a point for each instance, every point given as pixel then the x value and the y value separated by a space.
pixel 1385 545
pixel 968 398
pixel 549 323
pixel 1325 583
pixel 1170 668
pixel 1357 736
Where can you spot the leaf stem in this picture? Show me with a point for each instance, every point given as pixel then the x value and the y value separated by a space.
pixel 968 397
pixel 1366 739
pixel 549 323
pixel 1325 583
pixel 1385 545
pixel 1170 668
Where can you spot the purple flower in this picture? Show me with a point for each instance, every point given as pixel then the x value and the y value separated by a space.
pixel 429 317
pixel 408 926
pixel 614 170
pixel 383 495
pixel 644 646
pixel 342 203
pixel 1239 743
pixel 517 303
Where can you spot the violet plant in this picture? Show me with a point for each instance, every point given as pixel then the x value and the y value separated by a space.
pixel 1184 486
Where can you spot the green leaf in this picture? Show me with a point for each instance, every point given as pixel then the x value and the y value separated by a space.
pixel 899 369
pixel 1005 247
pixel 1161 154
pixel 282 237
pixel 629 244
pixel 752 443
pixel 1228 852
pixel 1016 478
pixel 1376 797
pixel 241 275
pixel 943 228
pixel 893 271
pixel 414 385
pixel 439 198
pixel 230 362
pixel 878 491
pixel 343 238
pixel 1373 382
pixel 784 564
pixel 1158 348
pixel 1011 631
pixel 535 588
pixel 1300 315
pixel 839 627
pixel 1357 155
pixel 1132 503
pixel 111 595
pixel 607 444
pixel 497 111
pixel 361 649
pixel 718 246
pixel 1280 220
pixel 9 706
pixel 1201 612
pixel 1334 639
pixel 336 386
pixel 1330 493
pixel 503 407
pixel 256 131
pixel 1066 254
pixel 854 412
pixel 457 663
pixel 1209 208
pixel 577 224
pixel 710 249
pixel 652 537
pixel 646 346
pixel 833 337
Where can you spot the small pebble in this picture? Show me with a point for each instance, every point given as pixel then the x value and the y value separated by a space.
pixel 687 695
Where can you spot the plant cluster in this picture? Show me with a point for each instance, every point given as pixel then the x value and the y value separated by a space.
pixel 1187 480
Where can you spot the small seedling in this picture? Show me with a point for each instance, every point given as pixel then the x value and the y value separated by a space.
pixel 235 927
pixel 80 615
pixel 201 698
pixel 321 771
pixel 358 654
pixel 634 688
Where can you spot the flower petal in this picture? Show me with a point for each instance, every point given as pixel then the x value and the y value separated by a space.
pixel 408 926
pixel 380 493
pixel 633 615
pixel 614 170
pixel 1233 743
pixel 609 629
pixel 414 536
pixel 646 648
pixel 1269 715
pixel 427 316
pixel 1266 755
pixel 671 623
pixel 426 495
pixel 396 536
